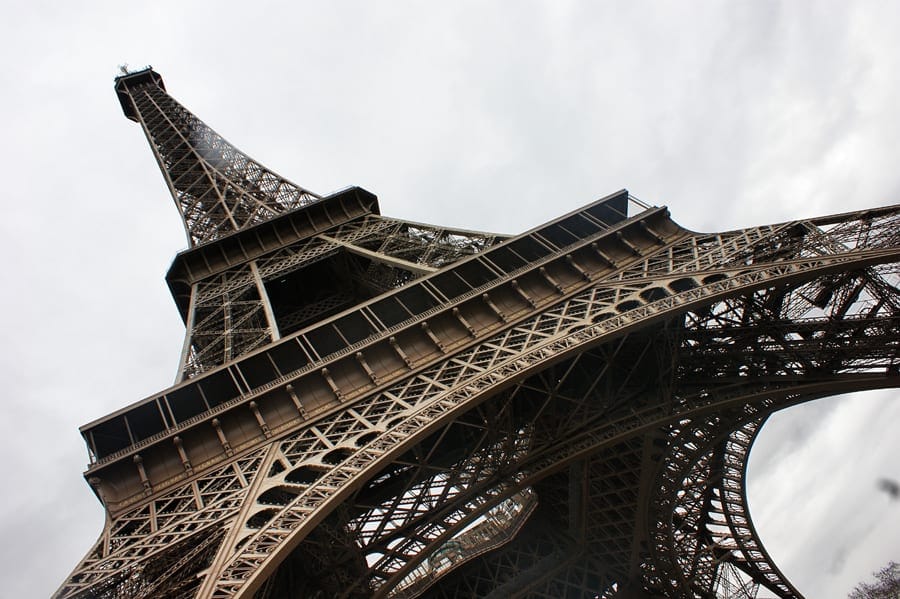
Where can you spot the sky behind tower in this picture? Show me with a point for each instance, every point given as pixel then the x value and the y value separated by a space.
pixel 482 115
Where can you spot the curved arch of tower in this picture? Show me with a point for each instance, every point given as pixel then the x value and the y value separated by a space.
pixel 372 407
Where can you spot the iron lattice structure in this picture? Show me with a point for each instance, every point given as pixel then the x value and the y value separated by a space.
pixel 369 407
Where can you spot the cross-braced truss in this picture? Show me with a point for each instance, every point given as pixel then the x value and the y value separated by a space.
pixel 371 255
pixel 672 355
pixel 452 414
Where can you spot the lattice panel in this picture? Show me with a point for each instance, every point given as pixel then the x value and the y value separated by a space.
pixel 228 312
pixel 136 542
pixel 226 326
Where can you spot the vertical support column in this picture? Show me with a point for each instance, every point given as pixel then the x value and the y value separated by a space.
pixel 654 446
pixel 188 334
pixel 264 298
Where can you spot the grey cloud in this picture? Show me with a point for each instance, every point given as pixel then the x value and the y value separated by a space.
pixel 466 114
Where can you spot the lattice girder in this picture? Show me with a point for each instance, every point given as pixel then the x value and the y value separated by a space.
pixel 573 321
pixel 604 538
pixel 697 521
pixel 329 373
pixel 286 511
pixel 510 298
pixel 378 254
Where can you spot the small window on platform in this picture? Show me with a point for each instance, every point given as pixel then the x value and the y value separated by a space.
pixel 110 436
pixel 146 421
pixel 186 402
pixel 218 387
pixel 611 211
pixel 529 249
pixel 288 356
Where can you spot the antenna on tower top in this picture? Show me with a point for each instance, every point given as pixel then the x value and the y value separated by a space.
pixel 124 68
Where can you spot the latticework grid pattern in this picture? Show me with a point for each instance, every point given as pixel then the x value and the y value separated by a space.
pixel 648 377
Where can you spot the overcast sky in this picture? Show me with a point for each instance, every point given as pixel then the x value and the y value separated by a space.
pixel 485 115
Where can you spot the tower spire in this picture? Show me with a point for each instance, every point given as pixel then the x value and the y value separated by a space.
pixel 218 189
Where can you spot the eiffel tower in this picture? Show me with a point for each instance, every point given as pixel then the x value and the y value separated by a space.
pixel 371 407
